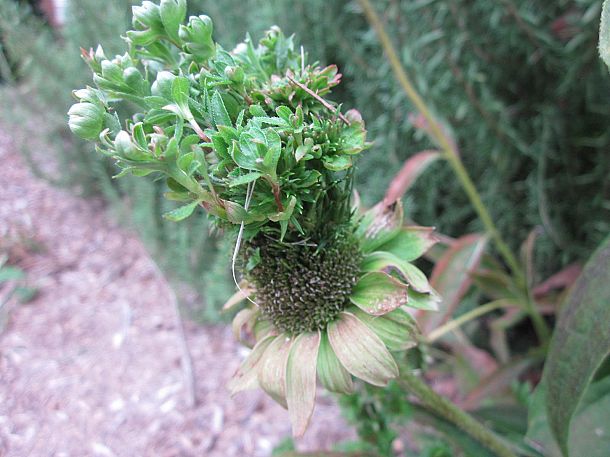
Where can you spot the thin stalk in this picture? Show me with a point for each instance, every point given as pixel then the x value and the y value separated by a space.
pixel 440 137
pixel 466 317
pixel 447 410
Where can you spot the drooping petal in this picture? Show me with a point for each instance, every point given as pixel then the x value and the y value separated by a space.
pixel 246 317
pixel 301 380
pixel 245 291
pixel 410 243
pixel 379 261
pixel 397 329
pixel 378 293
pixel 333 376
pixel 360 351
pixel 272 372
pixel 427 302
pixel 379 224
pixel 245 378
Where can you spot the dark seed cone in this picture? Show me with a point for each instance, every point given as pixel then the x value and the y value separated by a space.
pixel 303 287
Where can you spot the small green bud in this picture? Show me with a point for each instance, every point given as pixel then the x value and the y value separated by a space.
pixel 111 71
pixel 123 145
pixel 147 16
pixel 172 14
pixel 86 120
pixel 197 36
pixel 162 87
pixel 235 74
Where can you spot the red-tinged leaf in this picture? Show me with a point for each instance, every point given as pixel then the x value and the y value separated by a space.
pixel 360 351
pixel 581 341
pixel 451 276
pixel 301 380
pixel 245 378
pixel 272 373
pixel 410 171
pixel 560 280
pixel 410 243
pixel 378 293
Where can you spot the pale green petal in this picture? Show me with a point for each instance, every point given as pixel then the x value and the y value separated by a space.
pixel 360 351
pixel 272 372
pixel 410 243
pixel 301 380
pixel 397 329
pixel 245 378
pixel 245 291
pixel 378 293
pixel 262 328
pixel 428 302
pixel 333 376
pixel 380 261
pixel 379 224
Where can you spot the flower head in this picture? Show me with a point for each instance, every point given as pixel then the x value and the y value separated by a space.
pixel 332 309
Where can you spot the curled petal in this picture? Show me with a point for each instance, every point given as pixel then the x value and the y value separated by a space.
pixel 379 261
pixel 397 329
pixel 333 376
pixel 410 243
pixel 427 302
pixel 380 224
pixel 245 378
pixel 272 372
pixel 245 318
pixel 360 351
pixel 245 291
pixel 301 380
pixel 378 293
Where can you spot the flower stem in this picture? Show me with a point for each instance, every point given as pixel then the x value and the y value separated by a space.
pixel 439 136
pixel 449 411
pixel 470 315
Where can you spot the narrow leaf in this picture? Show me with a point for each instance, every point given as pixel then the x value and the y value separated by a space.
pixel 410 171
pixel 301 380
pixel 219 112
pixel 181 213
pixel 451 276
pixel 580 343
pixel 360 351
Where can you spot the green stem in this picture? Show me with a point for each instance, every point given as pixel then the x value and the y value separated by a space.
pixel 470 315
pixel 447 410
pixel 439 136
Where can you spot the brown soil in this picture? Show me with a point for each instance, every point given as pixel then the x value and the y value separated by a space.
pixel 92 366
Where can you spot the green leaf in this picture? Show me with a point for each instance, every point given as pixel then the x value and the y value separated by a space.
pixel 301 380
pixel 337 162
pixel 181 213
pixel 245 179
pixel 360 351
pixel 580 343
pixel 180 95
pixel 604 33
pixel 333 376
pixel 220 115
pixel 378 293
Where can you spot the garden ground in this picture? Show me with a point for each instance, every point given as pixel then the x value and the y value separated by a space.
pixel 92 366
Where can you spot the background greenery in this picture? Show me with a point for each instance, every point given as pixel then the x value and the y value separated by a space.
pixel 518 82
